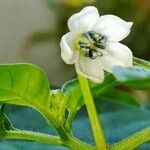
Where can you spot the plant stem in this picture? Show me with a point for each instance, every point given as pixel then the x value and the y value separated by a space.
pixel 141 62
pixel 96 126
pixel 32 136
pixel 133 141
pixel 65 136
pixel 71 142
pixel 76 144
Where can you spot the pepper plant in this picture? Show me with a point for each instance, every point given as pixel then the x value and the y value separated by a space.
pixel 93 45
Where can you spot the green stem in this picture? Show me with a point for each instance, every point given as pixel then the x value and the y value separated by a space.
pixel 133 141
pixel 76 144
pixel 66 137
pixel 141 62
pixel 32 136
pixel 71 142
pixel 96 126
pixel 69 121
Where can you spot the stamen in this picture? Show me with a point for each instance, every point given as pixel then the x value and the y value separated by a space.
pixel 92 44
pixel 100 45
pixel 92 54
pixel 95 36
pixel 86 35
pixel 103 39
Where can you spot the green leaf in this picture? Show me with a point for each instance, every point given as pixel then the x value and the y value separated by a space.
pixel 118 119
pixel 74 99
pixel 74 96
pixel 72 90
pixel 120 96
pixel 30 120
pixel 109 83
pixel 69 86
pixel 135 77
pixel 5 124
pixel 25 85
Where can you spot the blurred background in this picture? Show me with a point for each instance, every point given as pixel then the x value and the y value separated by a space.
pixel 31 31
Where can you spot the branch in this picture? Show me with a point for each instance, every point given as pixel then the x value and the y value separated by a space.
pixel 133 141
pixel 32 136
pixel 72 143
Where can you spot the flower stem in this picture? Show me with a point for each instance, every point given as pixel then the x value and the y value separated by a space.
pixel 96 126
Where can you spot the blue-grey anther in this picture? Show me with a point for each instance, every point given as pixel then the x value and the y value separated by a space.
pixel 92 43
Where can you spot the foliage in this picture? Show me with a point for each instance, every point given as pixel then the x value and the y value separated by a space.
pixel 27 85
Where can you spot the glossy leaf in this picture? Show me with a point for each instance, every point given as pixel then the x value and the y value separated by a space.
pixel 120 96
pixel 135 77
pixel 72 90
pixel 74 96
pixel 118 119
pixel 27 85
pixel 24 84
pixel 109 83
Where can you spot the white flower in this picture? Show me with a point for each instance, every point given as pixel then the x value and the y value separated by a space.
pixel 93 43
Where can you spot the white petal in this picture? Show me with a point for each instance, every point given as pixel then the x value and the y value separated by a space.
pixel 109 62
pixel 91 69
pixel 113 27
pixel 118 55
pixel 121 53
pixel 83 20
pixel 68 54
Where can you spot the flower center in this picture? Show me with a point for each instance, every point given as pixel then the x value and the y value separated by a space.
pixel 92 44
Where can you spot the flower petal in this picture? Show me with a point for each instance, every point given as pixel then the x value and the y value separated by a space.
pixel 119 55
pixel 83 20
pixel 113 27
pixel 109 62
pixel 91 69
pixel 68 54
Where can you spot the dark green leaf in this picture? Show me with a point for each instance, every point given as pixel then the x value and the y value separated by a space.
pixel 69 86
pixel 120 96
pixel 135 77
pixel 74 95
pixel 109 83
pixel 74 99
pixel 27 119
pixel 5 124
pixel 118 120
